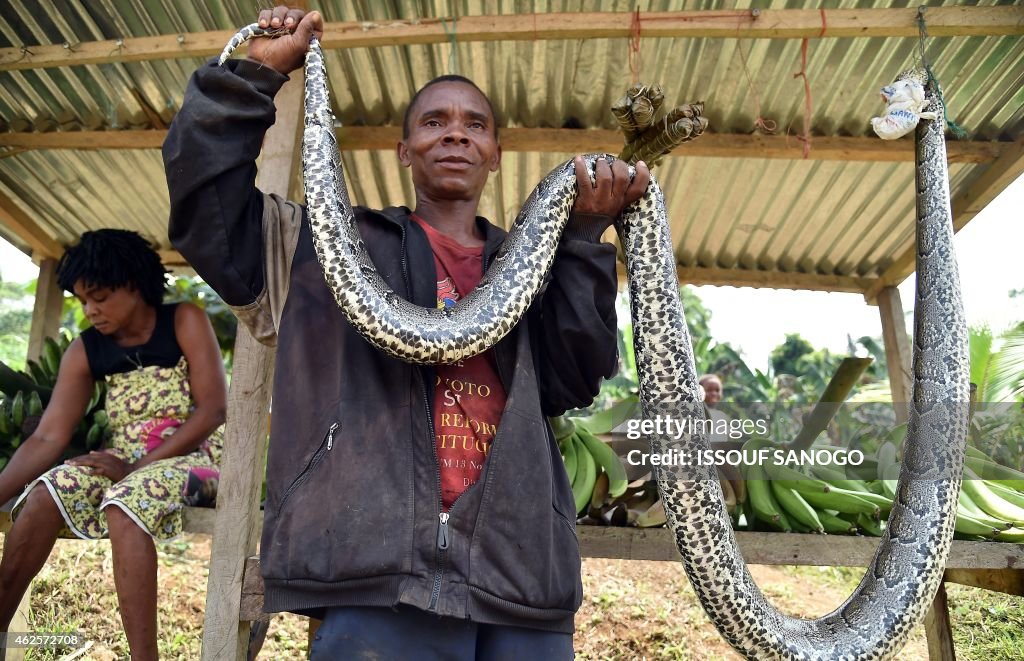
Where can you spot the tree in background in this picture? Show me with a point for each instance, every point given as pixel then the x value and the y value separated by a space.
pixel 785 356
pixel 15 320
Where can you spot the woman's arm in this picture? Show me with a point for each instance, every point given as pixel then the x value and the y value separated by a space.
pixel 63 412
pixel 206 379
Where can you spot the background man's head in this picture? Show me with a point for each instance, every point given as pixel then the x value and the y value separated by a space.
pixel 712 386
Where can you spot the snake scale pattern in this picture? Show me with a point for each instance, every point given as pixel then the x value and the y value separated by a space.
pixel 897 589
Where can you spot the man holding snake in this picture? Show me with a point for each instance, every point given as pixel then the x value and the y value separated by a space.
pixel 421 512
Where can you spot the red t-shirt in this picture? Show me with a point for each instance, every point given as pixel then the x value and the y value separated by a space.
pixel 468 396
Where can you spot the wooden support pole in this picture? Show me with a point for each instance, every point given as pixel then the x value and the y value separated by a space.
pixel 897 350
pixel 47 310
pixel 225 635
pixel 938 630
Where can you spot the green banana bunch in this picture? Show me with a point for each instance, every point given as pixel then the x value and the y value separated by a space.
pixel 6 424
pixel 586 476
pixel 798 510
pixel 50 358
pixel 35 404
pixel 763 502
pixel 607 459
pixel 587 458
pixel 18 409
pixel 991 502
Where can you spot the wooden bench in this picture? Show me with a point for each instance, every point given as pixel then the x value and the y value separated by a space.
pixel 988 565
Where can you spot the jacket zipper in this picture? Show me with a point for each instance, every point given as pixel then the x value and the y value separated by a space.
pixel 443 539
pixel 325 447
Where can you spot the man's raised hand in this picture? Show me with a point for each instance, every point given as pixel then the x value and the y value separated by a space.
pixel 286 52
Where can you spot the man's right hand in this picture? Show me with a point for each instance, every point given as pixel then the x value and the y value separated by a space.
pixel 287 52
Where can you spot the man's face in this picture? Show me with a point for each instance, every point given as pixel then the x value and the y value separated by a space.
pixel 451 146
pixel 712 392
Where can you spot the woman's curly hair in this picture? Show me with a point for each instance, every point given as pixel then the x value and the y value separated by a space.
pixel 113 259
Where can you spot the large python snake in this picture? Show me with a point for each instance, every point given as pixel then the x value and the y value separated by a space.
pixel 897 589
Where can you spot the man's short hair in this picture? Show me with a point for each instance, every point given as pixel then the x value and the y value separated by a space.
pixel 449 78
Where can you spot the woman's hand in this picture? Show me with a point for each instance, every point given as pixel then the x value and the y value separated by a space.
pixel 103 463
pixel 286 52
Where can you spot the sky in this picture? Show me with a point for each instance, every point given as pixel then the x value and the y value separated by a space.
pixel 757 320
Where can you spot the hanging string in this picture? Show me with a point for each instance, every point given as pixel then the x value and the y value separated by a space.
pixel 453 42
pixel 922 34
pixel 805 138
pixel 808 104
pixel 761 123
pixel 634 48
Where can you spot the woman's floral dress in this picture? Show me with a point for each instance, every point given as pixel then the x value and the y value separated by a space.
pixel 145 406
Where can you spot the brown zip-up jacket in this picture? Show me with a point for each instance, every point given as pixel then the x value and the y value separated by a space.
pixel 352 514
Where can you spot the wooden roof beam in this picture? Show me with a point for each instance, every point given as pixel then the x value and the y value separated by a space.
pixel 568 141
pixel 695 275
pixel 21 224
pixel 966 205
pixel 749 24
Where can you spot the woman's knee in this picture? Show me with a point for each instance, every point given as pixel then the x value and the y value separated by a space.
pixel 39 503
pixel 119 523
pixel 117 519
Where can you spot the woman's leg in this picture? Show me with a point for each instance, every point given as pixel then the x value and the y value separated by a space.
pixel 135 580
pixel 26 549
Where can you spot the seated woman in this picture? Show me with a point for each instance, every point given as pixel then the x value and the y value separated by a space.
pixel 166 401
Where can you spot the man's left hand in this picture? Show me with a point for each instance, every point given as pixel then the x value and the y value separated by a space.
pixel 611 191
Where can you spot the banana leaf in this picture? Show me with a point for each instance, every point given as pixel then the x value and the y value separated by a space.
pixel 12 381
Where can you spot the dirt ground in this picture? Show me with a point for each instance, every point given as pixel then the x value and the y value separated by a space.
pixel 631 610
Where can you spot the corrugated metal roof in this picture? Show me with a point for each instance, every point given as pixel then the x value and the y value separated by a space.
pixel 824 217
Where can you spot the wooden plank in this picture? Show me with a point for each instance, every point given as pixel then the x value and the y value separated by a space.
pixel 967 204
pixel 86 140
pixel 238 518
pixel 1010 581
pixel 897 350
pixel 172 258
pixel 769 548
pixel 771 279
pixel 15 219
pixel 252 590
pixel 758 548
pixel 938 630
pixel 46 310
pixel 567 141
pixel 746 24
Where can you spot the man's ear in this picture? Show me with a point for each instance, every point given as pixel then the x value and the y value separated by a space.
pixel 496 161
pixel 403 154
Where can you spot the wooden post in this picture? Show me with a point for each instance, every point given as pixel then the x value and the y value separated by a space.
pixel 225 636
pixel 897 357
pixel 937 628
pixel 46 313
pixel 897 350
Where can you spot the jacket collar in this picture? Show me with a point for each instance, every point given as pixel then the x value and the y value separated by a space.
pixel 494 236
